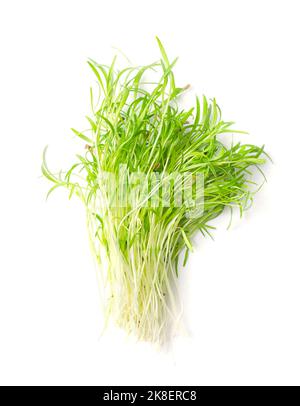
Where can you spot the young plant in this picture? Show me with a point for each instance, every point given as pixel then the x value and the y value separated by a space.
pixel 150 176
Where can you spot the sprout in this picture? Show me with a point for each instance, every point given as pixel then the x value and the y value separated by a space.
pixel 151 175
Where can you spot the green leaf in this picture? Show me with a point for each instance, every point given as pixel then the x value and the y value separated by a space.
pixel 82 136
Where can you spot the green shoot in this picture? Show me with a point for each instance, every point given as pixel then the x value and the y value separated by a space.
pixel 139 136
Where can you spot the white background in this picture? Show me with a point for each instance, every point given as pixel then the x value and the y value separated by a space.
pixel 240 292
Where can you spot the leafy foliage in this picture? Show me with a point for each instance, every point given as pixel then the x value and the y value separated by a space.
pixel 142 125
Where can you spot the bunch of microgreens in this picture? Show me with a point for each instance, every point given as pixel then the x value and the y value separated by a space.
pixel 139 125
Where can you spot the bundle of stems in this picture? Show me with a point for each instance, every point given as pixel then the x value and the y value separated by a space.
pixel 138 222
